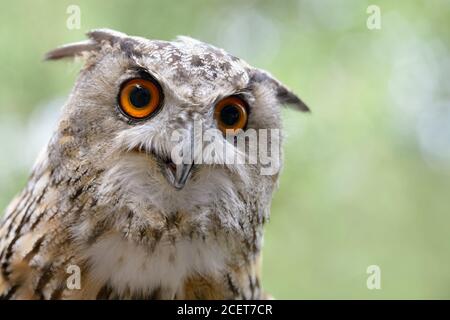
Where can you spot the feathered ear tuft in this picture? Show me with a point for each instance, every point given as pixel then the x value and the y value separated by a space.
pixel 283 94
pixel 95 36
pixel 71 50
pixel 104 34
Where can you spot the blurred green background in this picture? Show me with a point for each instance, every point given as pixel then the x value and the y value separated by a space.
pixel 367 174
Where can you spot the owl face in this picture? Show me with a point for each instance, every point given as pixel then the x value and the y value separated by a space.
pixel 139 106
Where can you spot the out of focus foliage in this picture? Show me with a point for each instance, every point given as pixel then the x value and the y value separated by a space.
pixel 367 174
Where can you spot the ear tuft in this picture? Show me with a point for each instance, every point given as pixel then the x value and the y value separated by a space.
pixel 71 50
pixel 287 97
pixel 283 94
pixel 105 34
pixel 95 36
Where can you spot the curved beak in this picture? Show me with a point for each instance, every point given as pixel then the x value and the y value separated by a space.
pixel 178 174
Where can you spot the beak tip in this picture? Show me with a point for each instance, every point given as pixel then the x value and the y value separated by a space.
pixel 177 175
pixel 178 187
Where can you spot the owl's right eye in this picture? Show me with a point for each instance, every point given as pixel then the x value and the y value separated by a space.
pixel 140 98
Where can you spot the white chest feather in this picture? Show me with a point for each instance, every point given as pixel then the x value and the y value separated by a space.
pixel 123 264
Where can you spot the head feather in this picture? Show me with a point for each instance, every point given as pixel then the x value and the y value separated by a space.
pixel 95 36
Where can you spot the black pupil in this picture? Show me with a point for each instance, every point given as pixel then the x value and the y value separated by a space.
pixel 140 97
pixel 229 115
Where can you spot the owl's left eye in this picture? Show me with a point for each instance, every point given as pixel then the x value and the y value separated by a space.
pixel 231 114
pixel 140 98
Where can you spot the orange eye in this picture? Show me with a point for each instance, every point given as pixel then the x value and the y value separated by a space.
pixel 139 98
pixel 231 114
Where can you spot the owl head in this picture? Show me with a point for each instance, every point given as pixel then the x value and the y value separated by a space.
pixel 161 123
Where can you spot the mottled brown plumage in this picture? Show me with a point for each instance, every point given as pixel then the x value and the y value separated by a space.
pixel 97 198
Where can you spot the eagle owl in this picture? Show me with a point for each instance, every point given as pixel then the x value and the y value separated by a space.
pixel 106 201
